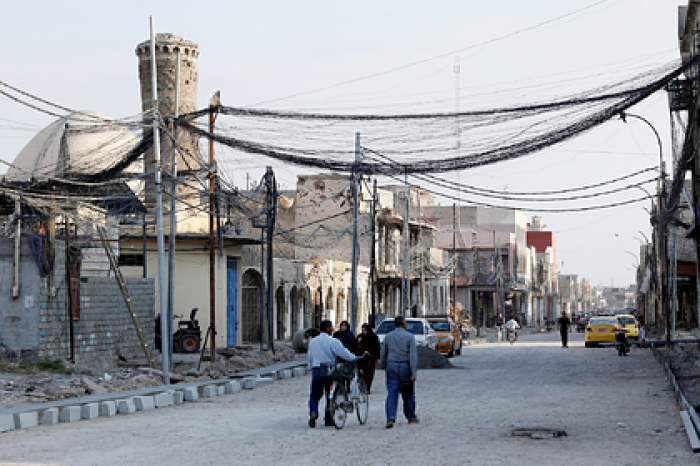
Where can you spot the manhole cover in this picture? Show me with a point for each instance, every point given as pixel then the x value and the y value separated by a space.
pixel 538 433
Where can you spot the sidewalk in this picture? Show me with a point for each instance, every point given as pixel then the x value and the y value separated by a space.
pixel 74 409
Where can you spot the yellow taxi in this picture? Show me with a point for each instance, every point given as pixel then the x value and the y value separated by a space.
pixel 600 330
pixel 629 324
pixel 449 337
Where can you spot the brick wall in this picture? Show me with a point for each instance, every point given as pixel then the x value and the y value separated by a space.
pixel 105 330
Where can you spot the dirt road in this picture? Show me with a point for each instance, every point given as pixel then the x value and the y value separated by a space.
pixel 466 418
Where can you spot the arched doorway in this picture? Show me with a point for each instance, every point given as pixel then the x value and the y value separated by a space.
pixel 295 319
pixel 250 301
pixel 281 313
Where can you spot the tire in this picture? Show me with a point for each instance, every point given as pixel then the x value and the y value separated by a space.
pixel 459 349
pixel 451 354
pixel 189 343
pixel 362 404
pixel 589 345
pixel 340 400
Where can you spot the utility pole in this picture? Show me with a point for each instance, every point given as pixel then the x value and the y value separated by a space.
pixel 422 251
pixel 663 251
pixel 69 279
pixel 162 286
pixel 212 271
pixel 475 294
pixel 262 284
pixel 454 255
pixel 173 219
pixel 405 292
pixel 496 267
pixel 355 209
pixel 373 256
pixel 271 213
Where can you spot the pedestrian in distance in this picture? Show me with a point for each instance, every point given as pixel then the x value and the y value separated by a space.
pixel 323 351
pixel 399 357
pixel 642 336
pixel 346 337
pixel 368 342
pixel 563 325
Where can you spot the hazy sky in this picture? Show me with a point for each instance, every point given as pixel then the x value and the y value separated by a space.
pixel 81 54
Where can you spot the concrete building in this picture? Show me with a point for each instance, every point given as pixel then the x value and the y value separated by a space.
pixel 474 236
pixel 544 285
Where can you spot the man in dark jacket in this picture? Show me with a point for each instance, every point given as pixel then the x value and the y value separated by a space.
pixel 563 324
pixel 399 357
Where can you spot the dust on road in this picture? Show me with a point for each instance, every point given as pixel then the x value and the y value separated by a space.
pixel 466 416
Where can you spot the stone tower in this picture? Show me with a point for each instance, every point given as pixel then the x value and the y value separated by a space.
pixel 188 164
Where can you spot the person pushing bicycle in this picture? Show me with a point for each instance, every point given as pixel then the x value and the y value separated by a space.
pixel 324 350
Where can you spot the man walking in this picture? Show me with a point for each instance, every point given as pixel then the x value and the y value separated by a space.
pixel 323 350
pixel 563 324
pixel 399 358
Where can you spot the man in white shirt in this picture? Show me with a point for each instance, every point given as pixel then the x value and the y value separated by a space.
pixel 512 324
pixel 324 349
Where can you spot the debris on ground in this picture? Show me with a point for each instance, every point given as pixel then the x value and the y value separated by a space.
pixel 428 358
pixel 51 380
pixel 684 360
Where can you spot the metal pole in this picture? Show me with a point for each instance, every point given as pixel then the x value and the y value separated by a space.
pixel 262 283
pixel 162 285
pixel 272 203
pixel 454 254
pixel 212 272
pixel 422 258
pixel 405 292
pixel 373 256
pixel 355 209
pixel 173 219
pixel 69 286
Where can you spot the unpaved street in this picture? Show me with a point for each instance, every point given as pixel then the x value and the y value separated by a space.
pixel 466 418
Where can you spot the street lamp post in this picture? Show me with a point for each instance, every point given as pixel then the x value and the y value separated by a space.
pixel 660 230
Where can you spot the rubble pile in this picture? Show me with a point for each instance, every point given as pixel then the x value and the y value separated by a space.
pixel 428 358
pixel 21 384
pixel 684 360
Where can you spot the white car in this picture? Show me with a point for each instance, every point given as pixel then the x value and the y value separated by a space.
pixel 420 328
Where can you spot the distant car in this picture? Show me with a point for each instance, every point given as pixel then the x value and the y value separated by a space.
pixel 629 324
pixel 600 330
pixel 425 336
pixel 449 337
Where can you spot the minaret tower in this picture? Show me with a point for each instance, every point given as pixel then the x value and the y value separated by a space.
pixel 188 161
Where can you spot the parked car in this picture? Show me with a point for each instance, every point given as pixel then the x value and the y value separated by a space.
pixel 629 324
pixel 449 337
pixel 425 336
pixel 600 330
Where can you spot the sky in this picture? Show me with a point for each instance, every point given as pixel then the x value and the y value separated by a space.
pixel 297 55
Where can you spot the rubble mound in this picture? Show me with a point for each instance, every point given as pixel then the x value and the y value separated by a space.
pixel 428 358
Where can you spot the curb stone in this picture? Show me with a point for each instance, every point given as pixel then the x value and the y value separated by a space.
pixel 109 404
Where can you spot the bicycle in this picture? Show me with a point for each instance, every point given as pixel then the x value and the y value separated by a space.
pixel 342 402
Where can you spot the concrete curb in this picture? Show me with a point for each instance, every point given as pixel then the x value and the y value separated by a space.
pixel 129 402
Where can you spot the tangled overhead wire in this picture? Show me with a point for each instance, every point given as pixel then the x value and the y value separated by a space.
pixel 426 143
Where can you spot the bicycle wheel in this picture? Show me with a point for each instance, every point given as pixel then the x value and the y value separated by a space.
pixel 362 403
pixel 340 401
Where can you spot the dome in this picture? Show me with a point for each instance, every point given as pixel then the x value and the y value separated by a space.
pixel 82 143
